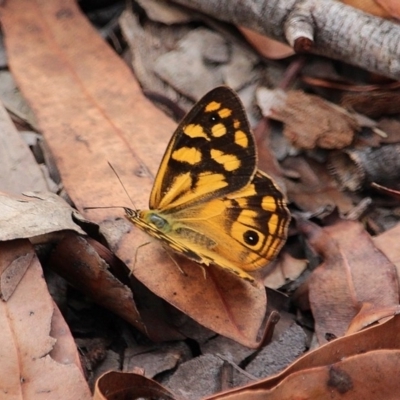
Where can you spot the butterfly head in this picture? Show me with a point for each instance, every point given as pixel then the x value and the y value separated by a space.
pixel 148 221
pixel 130 213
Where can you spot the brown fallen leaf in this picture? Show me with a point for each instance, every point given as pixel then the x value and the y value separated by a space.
pixel 17 108
pixel 354 273
pixel 315 189
pixel 381 8
pixel 166 13
pixel 369 6
pixel 392 129
pixel 12 274
pixel 374 104
pixel 368 352
pixel 90 274
pixel 121 385
pixel 388 243
pixel 309 121
pixel 91 110
pixel 65 348
pixel 28 366
pixel 34 215
pixel 266 46
pixel 391 6
pixel 267 159
pixel 356 377
pixel 19 171
pixel 287 269
pixel 219 301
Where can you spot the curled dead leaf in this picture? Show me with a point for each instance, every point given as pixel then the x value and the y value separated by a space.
pixel 112 385
pixel 309 121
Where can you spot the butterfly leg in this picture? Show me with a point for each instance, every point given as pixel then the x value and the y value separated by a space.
pixel 176 263
pixel 204 271
pixel 136 253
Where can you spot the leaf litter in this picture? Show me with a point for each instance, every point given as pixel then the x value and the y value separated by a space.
pixel 86 122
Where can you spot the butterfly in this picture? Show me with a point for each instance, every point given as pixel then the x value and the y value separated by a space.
pixel 209 201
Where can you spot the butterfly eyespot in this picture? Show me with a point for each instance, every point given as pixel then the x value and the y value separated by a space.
pixel 157 221
pixel 251 238
pixel 214 117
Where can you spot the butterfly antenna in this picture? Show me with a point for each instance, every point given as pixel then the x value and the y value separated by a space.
pixel 120 181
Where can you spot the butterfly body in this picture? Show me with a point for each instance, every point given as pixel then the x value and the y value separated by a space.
pixel 209 202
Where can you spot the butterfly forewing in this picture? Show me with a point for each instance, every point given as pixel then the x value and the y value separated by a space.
pixel 212 153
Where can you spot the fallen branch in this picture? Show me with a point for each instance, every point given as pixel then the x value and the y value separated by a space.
pixel 328 28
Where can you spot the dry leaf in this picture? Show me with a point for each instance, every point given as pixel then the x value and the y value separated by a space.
pixel 75 260
pixel 16 105
pixel 287 269
pixel 315 189
pixel 354 274
pixel 309 121
pixel 391 6
pixel 219 301
pixel 266 46
pixel 28 366
pixel 373 104
pixel 193 82
pixel 119 385
pixel 12 273
pixel 65 350
pixel 388 243
pixel 380 8
pixel 35 214
pixel 165 13
pixel 19 171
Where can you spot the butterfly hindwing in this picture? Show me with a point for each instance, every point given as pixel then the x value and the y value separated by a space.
pixel 212 153
pixel 244 230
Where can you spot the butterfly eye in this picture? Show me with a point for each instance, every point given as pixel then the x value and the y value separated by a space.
pixel 214 117
pixel 251 238
pixel 157 221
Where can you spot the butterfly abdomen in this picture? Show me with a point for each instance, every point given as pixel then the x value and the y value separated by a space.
pixel 196 238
